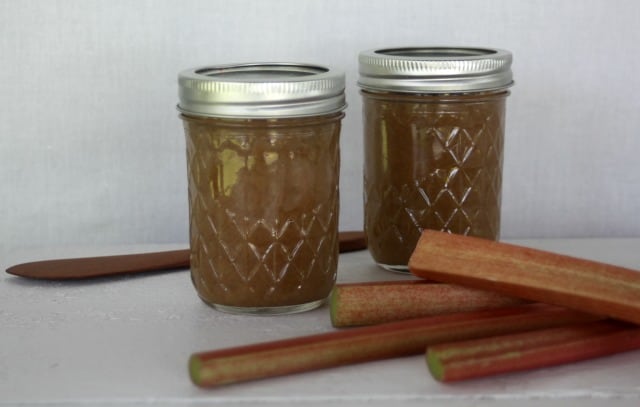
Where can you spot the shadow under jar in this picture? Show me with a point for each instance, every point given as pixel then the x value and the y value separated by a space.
pixel 434 122
pixel 263 170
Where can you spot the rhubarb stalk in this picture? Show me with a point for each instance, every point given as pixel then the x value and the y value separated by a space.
pixel 374 303
pixel 529 350
pixel 394 339
pixel 528 273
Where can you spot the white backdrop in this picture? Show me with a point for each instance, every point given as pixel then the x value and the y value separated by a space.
pixel 92 151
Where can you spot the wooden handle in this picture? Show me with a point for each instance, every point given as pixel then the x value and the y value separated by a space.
pixel 102 266
pixel 91 267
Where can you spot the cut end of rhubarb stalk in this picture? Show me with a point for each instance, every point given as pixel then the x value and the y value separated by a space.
pixel 195 365
pixel 334 300
pixel 435 366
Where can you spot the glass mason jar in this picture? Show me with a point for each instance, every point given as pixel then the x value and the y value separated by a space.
pixel 263 173
pixel 434 122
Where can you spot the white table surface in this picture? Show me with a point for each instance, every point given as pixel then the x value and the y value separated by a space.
pixel 126 341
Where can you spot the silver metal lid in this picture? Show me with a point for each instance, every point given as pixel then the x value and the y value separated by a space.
pixel 259 90
pixel 435 69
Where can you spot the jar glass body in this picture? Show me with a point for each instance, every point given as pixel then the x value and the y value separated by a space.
pixel 263 210
pixel 431 162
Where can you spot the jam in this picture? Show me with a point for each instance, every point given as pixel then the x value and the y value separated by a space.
pixel 431 162
pixel 434 121
pixel 263 169
pixel 264 199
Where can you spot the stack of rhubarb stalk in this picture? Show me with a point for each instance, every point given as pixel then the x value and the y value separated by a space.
pixel 479 308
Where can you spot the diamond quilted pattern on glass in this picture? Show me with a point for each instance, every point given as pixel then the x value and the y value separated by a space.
pixel 430 165
pixel 263 213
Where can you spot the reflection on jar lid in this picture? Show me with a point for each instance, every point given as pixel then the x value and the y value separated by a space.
pixel 435 69
pixel 261 90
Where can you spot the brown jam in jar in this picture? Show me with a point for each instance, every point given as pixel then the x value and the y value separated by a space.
pixel 433 142
pixel 263 194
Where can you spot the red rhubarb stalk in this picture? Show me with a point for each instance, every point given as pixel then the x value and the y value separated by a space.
pixel 394 339
pixel 528 273
pixel 374 303
pixel 529 350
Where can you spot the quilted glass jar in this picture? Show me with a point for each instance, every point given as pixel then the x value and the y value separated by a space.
pixel 263 173
pixel 434 121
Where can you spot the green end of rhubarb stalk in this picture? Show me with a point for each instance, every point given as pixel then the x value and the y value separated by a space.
pixel 195 365
pixel 333 306
pixel 435 367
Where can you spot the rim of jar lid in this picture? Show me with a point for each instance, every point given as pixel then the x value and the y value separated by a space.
pixel 435 69
pixel 261 90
